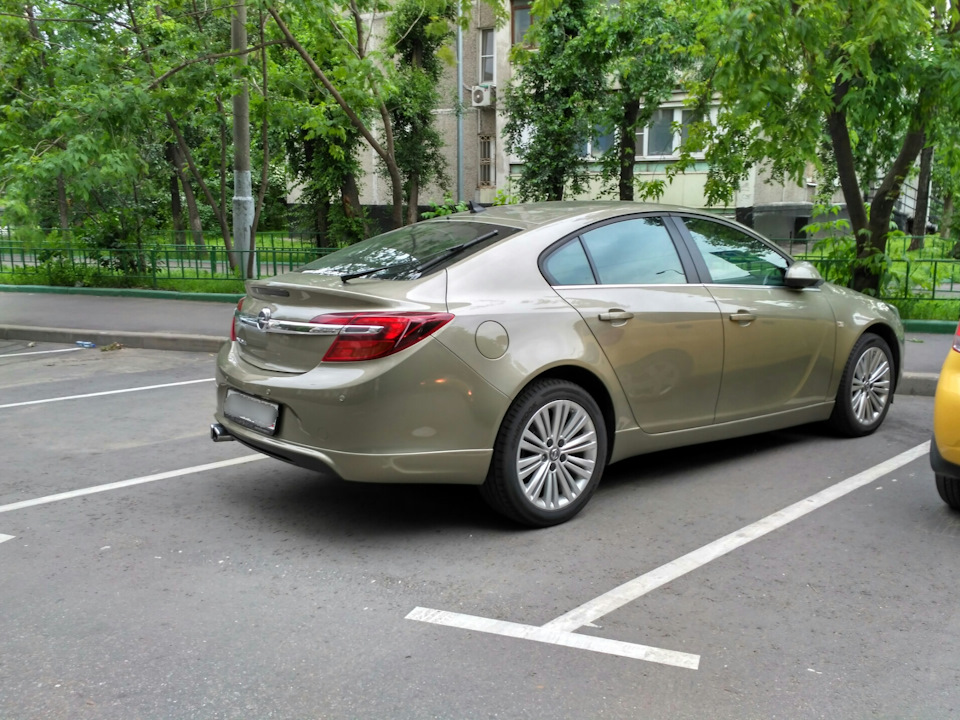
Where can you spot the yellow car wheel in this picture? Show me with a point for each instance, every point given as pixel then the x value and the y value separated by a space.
pixel 949 489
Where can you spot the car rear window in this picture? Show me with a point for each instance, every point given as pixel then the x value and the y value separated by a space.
pixel 399 253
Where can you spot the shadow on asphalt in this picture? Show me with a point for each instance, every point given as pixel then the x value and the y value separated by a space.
pixel 321 506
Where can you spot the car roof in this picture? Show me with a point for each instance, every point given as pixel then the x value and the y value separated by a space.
pixel 530 215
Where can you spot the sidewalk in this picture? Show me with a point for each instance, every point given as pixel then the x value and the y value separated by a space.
pixel 195 326
pixel 155 324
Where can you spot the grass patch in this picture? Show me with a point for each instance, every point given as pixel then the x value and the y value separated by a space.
pixel 921 309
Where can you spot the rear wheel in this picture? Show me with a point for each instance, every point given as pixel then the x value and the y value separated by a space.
pixel 550 453
pixel 866 388
pixel 949 489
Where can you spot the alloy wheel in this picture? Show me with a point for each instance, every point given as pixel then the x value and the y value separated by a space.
pixel 557 454
pixel 870 389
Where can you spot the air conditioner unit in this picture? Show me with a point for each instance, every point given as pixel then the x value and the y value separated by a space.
pixel 484 95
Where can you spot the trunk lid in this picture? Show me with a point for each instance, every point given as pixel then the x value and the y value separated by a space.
pixel 274 330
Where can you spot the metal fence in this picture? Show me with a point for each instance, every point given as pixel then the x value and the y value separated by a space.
pixel 29 256
pixel 145 267
pixel 929 273
pixel 70 237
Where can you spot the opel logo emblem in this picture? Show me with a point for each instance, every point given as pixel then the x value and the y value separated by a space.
pixel 263 319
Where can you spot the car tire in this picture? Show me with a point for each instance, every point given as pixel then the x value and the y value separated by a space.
pixel 949 489
pixel 532 480
pixel 866 388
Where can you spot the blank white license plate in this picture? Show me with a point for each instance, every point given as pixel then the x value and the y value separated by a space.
pixel 251 412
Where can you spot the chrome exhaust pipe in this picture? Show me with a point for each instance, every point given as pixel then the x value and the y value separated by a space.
pixel 218 433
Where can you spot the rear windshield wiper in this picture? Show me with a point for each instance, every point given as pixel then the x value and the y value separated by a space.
pixel 430 262
pixel 450 251
pixel 372 271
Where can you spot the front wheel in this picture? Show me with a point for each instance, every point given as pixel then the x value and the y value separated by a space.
pixel 549 455
pixel 866 388
pixel 949 489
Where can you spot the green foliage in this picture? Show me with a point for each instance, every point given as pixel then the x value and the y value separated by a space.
pixel 862 81
pixel 447 207
pixel 552 103
pixel 416 32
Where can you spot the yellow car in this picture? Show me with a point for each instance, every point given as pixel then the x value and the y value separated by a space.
pixel 945 447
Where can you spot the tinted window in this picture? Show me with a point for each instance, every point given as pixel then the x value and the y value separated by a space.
pixel 634 252
pixel 569 266
pixel 401 251
pixel 734 257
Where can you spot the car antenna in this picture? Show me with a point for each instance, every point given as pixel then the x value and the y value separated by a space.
pixel 475 207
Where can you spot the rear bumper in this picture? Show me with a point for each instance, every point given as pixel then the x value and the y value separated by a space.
pixel 433 420
pixel 940 465
pixel 456 467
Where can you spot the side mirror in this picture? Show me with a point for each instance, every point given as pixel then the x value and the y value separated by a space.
pixel 802 275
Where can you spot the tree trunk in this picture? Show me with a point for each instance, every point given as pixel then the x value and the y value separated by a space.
pixel 413 198
pixel 62 205
pixel 865 272
pixel 871 235
pixel 176 210
pixel 193 214
pixel 350 199
pixel 628 148
pixel 923 198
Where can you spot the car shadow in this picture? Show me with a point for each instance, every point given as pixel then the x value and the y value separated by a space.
pixel 320 505
pixel 669 466
pixel 312 504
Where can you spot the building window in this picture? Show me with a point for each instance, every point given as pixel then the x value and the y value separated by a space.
pixel 660 141
pixel 601 142
pixel 487 177
pixel 521 19
pixel 661 137
pixel 486 56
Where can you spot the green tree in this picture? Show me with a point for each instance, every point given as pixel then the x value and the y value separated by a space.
pixel 553 102
pixel 416 32
pixel 863 78
pixel 645 48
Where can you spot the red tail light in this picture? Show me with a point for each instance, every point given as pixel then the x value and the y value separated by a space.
pixel 366 337
pixel 233 324
pixel 956 339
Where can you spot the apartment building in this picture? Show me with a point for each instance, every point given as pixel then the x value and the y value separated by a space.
pixel 479 165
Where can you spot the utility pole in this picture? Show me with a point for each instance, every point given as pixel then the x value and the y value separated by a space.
pixel 242 188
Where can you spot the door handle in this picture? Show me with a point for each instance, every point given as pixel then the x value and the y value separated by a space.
pixel 742 316
pixel 615 316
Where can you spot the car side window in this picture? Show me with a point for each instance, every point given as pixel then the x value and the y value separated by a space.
pixel 568 265
pixel 638 251
pixel 733 257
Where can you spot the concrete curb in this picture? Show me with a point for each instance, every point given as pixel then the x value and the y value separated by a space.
pixel 915 383
pixel 127 292
pixel 912 383
pixel 936 327
pixel 140 340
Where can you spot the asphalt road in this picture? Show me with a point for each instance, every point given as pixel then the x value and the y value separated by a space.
pixel 222 585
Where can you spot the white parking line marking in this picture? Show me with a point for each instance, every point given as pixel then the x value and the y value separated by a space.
pixel 127 483
pixel 633 589
pixel 4 538
pixel 106 392
pixel 560 630
pixel 556 637
pixel 39 352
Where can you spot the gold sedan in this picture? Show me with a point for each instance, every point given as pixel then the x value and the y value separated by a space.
pixel 524 348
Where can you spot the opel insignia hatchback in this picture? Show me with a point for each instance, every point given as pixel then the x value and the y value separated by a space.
pixel 525 348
